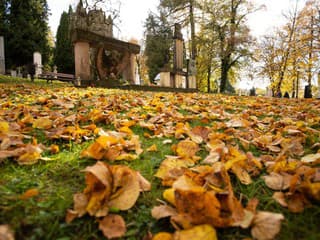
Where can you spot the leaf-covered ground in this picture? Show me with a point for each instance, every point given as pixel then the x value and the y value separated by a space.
pixel 245 166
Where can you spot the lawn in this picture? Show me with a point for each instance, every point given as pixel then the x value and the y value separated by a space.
pixel 237 157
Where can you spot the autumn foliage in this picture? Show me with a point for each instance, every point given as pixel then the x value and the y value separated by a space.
pixel 216 142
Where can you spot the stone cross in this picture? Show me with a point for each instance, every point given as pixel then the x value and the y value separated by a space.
pixel 2 57
pixel 37 61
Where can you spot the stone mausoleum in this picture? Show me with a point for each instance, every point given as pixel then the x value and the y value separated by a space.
pixel 99 57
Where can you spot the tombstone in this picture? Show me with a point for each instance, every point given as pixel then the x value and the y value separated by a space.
pixel 13 73
pixel 55 71
pixel 252 92
pixel 37 61
pixel 286 95
pixel 307 91
pixel 268 92
pixel 2 56
pixel 19 73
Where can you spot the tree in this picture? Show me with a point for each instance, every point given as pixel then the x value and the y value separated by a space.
pixel 183 11
pixel 227 20
pixel 64 54
pixel 27 31
pixel 158 43
pixel 3 17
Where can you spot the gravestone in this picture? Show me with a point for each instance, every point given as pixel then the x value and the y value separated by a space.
pixel 2 57
pixel 37 61
pixel 308 91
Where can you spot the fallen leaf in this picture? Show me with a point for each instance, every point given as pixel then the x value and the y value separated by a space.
pixel 4 127
pixel 6 233
pixel 126 188
pixel 152 148
pixel 42 123
pixel 311 158
pixel 277 181
pixel 29 194
pixel 187 149
pixel 280 198
pixel 163 236
pixel 113 226
pixel 203 232
pixel 163 211
pixel 266 225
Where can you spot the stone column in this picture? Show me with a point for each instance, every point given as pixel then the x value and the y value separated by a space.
pixel 2 57
pixel 129 73
pixel 178 48
pixel 82 60
pixel 37 61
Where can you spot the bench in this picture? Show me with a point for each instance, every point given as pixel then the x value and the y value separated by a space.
pixel 50 76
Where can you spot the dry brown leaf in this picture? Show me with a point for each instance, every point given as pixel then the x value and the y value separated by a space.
pixel 144 184
pixel 241 174
pixel 280 198
pixel 277 181
pixel 296 202
pixel 113 226
pixel 126 188
pixel 163 211
pixel 311 158
pixel 6 233
pixel 266 225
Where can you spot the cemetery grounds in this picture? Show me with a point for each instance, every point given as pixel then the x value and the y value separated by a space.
pixel 255 158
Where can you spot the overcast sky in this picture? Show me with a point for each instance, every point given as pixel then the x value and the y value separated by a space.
pixel 134 12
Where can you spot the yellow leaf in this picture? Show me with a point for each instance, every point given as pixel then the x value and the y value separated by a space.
pixel 4 127
pixel 127 157
pixel 153 148
pixel 42 123
pixel 187 149
pixel 126 130
pixel 163 236
pixel 168 195
pixel 203 232
pixel 107 141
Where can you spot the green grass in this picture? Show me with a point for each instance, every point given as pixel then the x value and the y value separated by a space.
pixel 43 216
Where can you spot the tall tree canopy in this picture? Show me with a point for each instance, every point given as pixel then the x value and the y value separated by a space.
pixel 64 56
pixel 158 43
pixel 27 31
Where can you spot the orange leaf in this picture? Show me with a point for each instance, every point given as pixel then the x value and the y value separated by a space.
pixel 29 194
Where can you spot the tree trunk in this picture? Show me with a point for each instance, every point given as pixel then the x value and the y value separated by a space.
pixel 192 26
pixel 224 75
pixel 209 77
